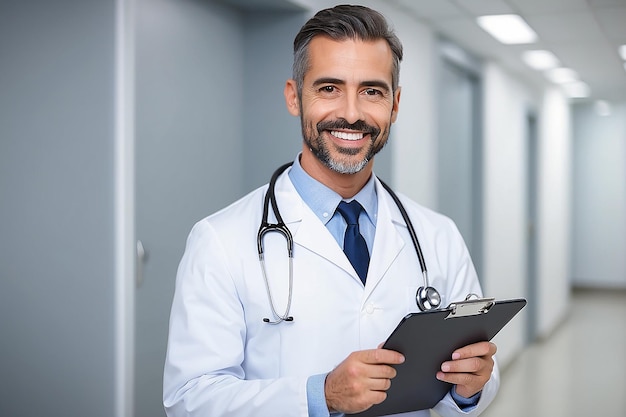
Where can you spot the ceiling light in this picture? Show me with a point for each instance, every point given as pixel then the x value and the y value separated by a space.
pixel 577 89
pixel 622 52
pixel 562 75
pixel 508 28
pixel 540 59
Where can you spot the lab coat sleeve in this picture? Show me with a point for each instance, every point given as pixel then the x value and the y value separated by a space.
pixel 203 373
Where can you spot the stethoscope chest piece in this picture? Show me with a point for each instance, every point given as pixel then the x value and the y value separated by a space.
pixel 427 298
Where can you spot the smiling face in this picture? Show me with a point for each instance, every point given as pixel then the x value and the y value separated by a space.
pixel 346 108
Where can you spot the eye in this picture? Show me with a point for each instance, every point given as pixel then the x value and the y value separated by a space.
pixel 372 92
pixel 327 89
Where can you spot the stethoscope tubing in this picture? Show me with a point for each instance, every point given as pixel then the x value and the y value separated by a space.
pixel 426 297
pixel 411 229
pixel 280 227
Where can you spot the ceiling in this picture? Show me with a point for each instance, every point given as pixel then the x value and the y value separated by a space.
pixel 584 35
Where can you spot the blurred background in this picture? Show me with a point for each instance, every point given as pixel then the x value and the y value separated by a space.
pixel 123 122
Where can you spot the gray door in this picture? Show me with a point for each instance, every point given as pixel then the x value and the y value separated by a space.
pixel 459 152
pixel 188 152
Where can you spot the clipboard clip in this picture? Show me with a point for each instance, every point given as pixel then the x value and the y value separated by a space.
pixel 470 306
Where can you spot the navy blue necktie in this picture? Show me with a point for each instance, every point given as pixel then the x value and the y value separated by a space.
pixel 354 244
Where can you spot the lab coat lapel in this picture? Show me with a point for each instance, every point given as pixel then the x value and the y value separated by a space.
pixel 387 241
pixel 314 236
pixel 308 231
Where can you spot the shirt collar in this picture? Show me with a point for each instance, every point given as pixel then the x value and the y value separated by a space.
pixel 323 201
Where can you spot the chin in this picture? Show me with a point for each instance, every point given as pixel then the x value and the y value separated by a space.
pixel 346 167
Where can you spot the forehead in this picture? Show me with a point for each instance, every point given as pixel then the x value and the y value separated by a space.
pixel 349 59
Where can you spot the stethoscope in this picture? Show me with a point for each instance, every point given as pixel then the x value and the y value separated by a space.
pixel 426 297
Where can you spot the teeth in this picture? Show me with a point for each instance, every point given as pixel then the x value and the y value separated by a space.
pixel 346 135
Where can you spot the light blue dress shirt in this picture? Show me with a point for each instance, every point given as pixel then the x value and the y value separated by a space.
pixel 323 202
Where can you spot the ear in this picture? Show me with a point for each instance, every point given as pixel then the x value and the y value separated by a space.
pixel 396 105
pixel 291 98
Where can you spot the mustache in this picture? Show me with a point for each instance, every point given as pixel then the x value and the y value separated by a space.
pixel 359 125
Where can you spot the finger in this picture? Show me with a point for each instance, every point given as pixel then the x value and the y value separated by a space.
pixel 476 349
pixel 382 372
pixel 380 384
pixel 459 378
pixel 382 356
pixel 470 365
pixel 466 384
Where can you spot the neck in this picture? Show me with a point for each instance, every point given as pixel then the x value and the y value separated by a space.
pixel 346 185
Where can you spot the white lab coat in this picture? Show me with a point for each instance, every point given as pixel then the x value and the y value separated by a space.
pixel 223 360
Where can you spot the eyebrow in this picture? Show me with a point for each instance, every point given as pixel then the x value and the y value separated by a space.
pixel 370 83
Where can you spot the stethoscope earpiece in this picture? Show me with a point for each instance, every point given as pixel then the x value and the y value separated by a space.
pixel 280 319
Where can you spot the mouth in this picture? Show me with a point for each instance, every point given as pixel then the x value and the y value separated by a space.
pixel 350 136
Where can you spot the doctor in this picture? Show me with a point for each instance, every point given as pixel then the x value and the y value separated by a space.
pixel 285 339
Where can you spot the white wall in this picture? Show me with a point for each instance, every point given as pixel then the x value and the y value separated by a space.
pixel 554 211
pixel 599 226
pixel 506 103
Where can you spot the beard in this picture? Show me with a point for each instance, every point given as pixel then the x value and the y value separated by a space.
pixel 342 160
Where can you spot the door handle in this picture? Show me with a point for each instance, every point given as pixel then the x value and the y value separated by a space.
pixel 142 257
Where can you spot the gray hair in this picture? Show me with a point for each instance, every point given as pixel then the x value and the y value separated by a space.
pixel 340 23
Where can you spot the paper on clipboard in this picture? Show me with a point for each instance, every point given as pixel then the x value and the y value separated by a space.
pixel 427 339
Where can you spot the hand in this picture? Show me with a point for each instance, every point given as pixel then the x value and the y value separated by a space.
pixel 361 380
pixel 470 368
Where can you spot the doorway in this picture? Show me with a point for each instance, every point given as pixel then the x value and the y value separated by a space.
pixel 531 234
pixel 184 169
pixel 459 168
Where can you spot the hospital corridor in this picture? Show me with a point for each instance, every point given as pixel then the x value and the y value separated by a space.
pixel 124 123
pixel 579 371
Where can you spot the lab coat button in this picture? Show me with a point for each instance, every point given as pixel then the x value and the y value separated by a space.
pixel 369 309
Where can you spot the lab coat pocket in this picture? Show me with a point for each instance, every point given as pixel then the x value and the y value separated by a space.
pixel 263 343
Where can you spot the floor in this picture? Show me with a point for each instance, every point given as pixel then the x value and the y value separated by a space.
pixel 580 370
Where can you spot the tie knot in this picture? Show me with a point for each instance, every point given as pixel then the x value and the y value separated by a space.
pixel 350 211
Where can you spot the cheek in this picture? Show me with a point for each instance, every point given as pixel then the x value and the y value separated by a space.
pixel 310 121
pixel 319 109
pixel 380 114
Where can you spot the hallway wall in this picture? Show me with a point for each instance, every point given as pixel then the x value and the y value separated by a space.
pixel 57 257
pixel 599 223
pixel 270 134
pixel 554 210
pixel 505 104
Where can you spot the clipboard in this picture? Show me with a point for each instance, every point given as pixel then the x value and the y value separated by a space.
pixel 427 339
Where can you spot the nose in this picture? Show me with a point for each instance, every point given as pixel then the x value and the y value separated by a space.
pixel 351 108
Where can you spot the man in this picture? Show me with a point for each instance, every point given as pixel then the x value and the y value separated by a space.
pixel 232 351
